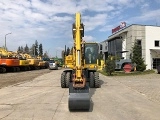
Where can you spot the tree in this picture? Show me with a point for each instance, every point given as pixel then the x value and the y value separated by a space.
pixel 32 50
pixel 110 65
pixel 19 49
pixel 40 50
pixel 137 57
pixel 26 49
pixel 68 51
pixel 36 48
pixel 62 54
pixel 45 55
pixel 71 51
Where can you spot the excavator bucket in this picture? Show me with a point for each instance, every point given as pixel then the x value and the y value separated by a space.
pixel 79 98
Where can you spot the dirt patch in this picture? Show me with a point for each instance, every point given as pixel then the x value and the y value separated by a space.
pixel 14 78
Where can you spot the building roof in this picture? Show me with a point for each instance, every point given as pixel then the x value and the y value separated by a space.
pixel 123 30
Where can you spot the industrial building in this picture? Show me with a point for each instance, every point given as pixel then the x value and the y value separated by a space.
pixel 123 38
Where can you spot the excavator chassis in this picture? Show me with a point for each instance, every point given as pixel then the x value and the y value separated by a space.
pixel 79 98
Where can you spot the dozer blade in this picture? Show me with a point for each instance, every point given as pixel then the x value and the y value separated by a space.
pixel 79 99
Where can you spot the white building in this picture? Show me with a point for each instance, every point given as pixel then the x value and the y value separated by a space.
pixel 123 40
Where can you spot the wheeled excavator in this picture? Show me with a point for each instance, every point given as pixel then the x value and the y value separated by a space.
pixel 83 74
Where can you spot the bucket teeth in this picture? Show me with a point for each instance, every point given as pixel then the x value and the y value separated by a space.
pixel 79 99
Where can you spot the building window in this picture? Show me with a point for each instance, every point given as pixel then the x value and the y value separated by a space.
pixel 106 47
pixel 156 43
pixel 139 42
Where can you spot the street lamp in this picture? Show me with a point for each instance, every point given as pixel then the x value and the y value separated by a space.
pixel 5 40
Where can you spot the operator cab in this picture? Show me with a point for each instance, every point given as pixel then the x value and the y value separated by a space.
pixel 91 53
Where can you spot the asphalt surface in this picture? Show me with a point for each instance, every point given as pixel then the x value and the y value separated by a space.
pixel 119 98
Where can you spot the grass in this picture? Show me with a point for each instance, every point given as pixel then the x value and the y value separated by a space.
pixel 122 73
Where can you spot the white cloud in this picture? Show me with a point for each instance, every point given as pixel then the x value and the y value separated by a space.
pixel 92 22
pixel 50 21
pixel 149 15
pixel 107 28
pixel 89 39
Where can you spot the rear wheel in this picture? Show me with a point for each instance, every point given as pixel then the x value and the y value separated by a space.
pixel 91 80
pixel 68 79
pixel 17 69
pixel 63 83
pixel 4 70
pixel 14 69
pixel 97 81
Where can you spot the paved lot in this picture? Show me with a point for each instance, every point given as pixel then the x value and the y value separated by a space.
pixel 119 98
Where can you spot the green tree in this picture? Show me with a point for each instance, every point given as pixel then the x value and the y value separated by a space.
pixel 110 65
pixel 71 51
pixel 19 49
pixel 68 51
pixel 45 55
pixel 32 50
pixel 36 48
pixel 26 49
pixel 40 50
pixel 137 57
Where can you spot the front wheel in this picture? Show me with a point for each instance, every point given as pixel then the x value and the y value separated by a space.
pixel 68 79
pixel 63 83
pixel 97 81
pixel 91 80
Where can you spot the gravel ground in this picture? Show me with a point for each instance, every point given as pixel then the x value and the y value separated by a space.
pixel 146 85
pixel 17 77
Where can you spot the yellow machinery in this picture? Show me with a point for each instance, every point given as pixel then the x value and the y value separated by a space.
pixel 68 63
pixel 102 65
pixel 33 62
pixel 42 63
pixel 84 71
pixel 8 61
pixel 23 62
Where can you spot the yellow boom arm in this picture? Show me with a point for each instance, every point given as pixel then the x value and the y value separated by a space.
pixel 79 80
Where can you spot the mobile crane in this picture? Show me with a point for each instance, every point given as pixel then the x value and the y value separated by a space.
pixel 83 74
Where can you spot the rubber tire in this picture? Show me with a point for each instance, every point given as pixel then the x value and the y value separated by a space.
pixel 63 82
pixel 68 79
pixel 13 69
pixel 17 69
pixel 97 81
pixel 4 70
pixel 1 70
pixel 91 80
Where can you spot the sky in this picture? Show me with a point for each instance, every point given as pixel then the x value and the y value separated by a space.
pixel 50 21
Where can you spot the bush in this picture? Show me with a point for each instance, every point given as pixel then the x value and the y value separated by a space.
pixel 110 65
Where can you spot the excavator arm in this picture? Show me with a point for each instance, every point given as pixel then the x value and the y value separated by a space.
pixel 78 77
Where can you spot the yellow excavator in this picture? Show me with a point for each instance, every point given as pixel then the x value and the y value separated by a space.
pixel 83 74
